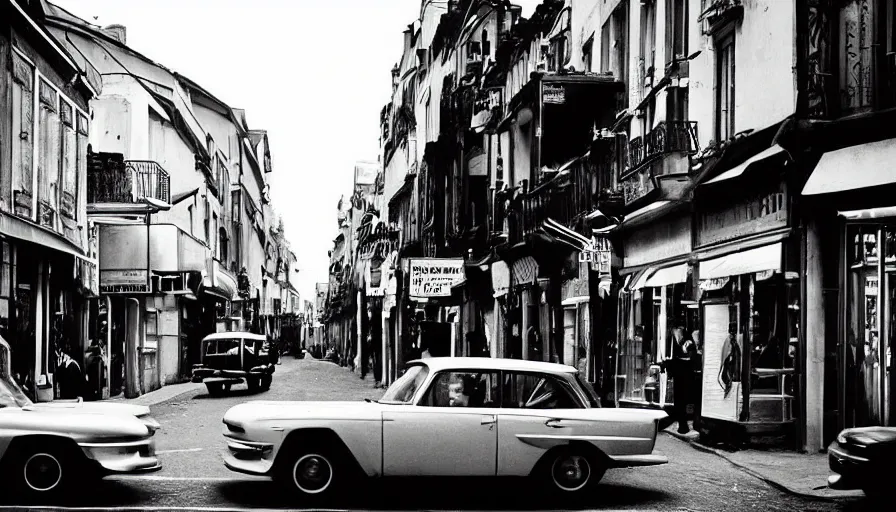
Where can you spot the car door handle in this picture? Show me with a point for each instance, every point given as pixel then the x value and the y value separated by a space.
pixel 553 423
pixel 487 420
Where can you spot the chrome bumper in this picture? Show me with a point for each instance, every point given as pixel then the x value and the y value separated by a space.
pixel 249 457
pixel 628 461
pixel 132 457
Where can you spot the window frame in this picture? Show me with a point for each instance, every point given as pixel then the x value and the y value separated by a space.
pixel 426 399
pixel 559 383
pixel 725 44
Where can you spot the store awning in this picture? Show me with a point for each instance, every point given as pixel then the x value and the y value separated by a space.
pixel 763 258
pixel 219 282
pixel 669 275
pixel 853 168
pixel 735 172
pixel 17 228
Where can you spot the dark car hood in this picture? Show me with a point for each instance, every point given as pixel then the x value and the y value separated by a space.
pixel 871 435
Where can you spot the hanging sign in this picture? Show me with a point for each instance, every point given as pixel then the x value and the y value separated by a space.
pixel 554 94
pixel 434 277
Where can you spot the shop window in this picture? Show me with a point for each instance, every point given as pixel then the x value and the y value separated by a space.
pixel 463 389
pixel 871 324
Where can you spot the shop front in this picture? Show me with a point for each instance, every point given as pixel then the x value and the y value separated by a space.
pixel 149 283
pixel 654 299
pixel 749 260
pixel 852 190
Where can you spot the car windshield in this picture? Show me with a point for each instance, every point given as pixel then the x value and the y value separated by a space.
pixel 11 395
pixel 593 399
pixel 402 391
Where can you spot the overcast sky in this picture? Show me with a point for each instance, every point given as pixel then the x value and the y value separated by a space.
pixel 314 73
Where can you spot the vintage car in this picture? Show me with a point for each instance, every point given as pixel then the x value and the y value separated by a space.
pixel 863 458
pixel 230 358
pixel 47 448
pixel 446 416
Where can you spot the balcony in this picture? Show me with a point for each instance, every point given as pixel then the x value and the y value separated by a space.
pixel 565 198
pixel 668 137
pixel 112 180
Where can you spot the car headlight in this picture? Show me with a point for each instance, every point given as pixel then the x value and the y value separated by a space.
pixel 841 438
pixel 150 424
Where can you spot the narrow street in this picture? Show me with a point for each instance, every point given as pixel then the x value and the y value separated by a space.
pixel 190 446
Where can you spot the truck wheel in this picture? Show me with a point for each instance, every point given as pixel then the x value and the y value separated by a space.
pixel 253 383
pixel 266 382
pixel 215 388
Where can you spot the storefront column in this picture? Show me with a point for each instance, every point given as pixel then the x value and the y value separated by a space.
pixel 108 387
pixel 132 353
pixel 814 340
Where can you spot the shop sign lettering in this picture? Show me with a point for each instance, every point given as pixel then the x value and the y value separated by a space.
pixel 554 94
pixel 432 277
pixel 124 281
pixel 756 214
pixel 124 288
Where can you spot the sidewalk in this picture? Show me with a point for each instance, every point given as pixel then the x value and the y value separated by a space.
pixel 160 395
pixel 804 475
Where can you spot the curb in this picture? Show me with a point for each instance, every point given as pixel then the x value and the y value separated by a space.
pixel 848 495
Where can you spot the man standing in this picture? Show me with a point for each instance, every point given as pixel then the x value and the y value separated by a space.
pixel 681 369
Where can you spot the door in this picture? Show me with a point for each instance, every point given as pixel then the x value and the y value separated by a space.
pixel 451 432
pixel 535 408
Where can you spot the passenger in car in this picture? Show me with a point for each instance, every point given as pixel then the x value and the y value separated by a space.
pixel 460 387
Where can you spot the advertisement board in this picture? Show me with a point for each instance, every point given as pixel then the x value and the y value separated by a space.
pixel 124 281
pixel 434 277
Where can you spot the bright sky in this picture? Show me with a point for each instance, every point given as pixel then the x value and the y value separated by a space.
pixel 313 73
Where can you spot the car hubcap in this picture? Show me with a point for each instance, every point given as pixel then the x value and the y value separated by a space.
pixel 571 473
pixel 43 472
pixel 313 473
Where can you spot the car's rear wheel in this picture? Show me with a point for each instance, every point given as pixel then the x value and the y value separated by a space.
pixel 573 472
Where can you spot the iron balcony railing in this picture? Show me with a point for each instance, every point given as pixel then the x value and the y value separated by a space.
pixel 131 182
pixel 564 199
pixel 666 137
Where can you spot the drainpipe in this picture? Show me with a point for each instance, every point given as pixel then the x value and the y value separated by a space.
pixel 108 390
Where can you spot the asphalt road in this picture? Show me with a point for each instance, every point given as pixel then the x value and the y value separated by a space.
pixel 190 446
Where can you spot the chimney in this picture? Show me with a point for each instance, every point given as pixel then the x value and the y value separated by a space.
pixel 117 32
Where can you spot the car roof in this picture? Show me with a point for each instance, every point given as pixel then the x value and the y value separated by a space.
pixel 235 334
pixel 489 363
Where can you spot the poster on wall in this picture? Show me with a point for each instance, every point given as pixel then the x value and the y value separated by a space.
pixel 721 373
pixel 434 277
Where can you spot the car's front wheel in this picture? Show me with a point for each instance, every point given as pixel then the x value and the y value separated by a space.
pixel 571 472
pixel 312 473
pixel 43 469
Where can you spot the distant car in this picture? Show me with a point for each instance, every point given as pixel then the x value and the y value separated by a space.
pixel 230 358
pixel 446 417
pixel 47 449
pixel 862 458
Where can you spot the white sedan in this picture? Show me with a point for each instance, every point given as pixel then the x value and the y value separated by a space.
pixel 451 416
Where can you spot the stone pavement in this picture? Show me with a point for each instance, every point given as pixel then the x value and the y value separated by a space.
pixel 172 391
pixel 801 474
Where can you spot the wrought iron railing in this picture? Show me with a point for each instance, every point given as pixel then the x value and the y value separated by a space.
pixel 666 137
pixel 564 199
pixel 135 180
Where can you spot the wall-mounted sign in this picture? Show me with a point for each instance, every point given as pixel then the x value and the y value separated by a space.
pixel 599 254
pixel 554 94
pixel 434 277
pixel 124 281
pixel 756 213
pixel 638 185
